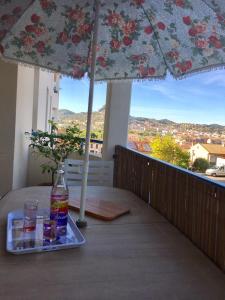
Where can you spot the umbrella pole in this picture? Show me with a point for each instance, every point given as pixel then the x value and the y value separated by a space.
pixel 81 222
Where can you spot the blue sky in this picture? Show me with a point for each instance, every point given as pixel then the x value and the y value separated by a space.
pixel 199 98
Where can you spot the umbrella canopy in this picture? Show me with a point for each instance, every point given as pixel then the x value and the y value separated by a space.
pixel 137 38
pixel 117 39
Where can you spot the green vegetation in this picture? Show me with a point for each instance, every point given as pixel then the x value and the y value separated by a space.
pixel 165 148
pixel 200 164
pixel 96 134
pixel 56 147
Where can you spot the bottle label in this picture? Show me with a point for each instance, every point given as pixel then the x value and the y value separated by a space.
pixel 59 209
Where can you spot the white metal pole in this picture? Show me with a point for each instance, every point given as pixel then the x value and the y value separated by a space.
pixel 81 222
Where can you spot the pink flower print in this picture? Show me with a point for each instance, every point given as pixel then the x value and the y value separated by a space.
pixel 35 18
pixel 127 41
pixel 17 10
pixel 151 71
pixel 213 40
pixel 173 54
pixel 200 28
pixel 179 3
pixel 102 62
pixel 185 66
pixel 8 19
pixel 40 47
pixel 138 2
pixel 76 14
pixel 76 39
pixel 148 30
pixel 28 42
pixel 201 43
pixel 39 30
pixel 114 19
pixel 4 17
pixel 29 28
pixel 63 37
pixel 84 28
pixel 161 25
pixel 192 31
pixel 187 20
pixel 143 71
pixel 115 44
pixel 77 72
pixel 44 4
pixel 129 27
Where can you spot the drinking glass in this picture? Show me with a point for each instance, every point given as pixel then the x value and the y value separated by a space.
pixel 49 230
pixel 30 215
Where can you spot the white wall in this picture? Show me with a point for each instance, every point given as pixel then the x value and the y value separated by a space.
pixel 23 106
pixel 24 112
pixel 8 87
pixel 197 151
pixel 45 100
pixel 116 117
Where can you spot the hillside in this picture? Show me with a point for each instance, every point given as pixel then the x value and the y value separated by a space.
pixel 66 116
pixel 136 123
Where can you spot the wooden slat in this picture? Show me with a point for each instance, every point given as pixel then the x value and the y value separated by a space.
pixel 193 204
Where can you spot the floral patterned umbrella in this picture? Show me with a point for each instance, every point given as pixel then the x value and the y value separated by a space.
pixel 114 39
pixel 136 39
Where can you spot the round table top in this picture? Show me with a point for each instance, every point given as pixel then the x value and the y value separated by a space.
pixel 15 199
pixel 139 255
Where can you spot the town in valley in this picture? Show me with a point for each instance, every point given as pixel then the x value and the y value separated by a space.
pixel 206 141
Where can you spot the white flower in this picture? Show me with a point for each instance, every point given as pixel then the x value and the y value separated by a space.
pixel 174 43
pixel 150 50
pixel 208 52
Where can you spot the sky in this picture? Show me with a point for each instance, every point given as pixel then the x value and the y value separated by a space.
pixel 199 98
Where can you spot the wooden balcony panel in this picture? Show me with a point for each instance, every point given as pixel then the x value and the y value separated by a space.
pixel 195 205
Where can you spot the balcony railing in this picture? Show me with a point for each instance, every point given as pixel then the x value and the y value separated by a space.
pixel 194 204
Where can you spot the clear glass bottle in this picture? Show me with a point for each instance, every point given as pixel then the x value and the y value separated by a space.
pixel 59 202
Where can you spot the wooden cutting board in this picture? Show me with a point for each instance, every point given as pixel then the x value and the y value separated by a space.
pixel 100 209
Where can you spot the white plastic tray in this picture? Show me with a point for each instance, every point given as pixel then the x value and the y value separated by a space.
pixel 19 242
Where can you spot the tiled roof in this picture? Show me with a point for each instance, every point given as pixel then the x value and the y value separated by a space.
pixel 214 149
pixel 139 146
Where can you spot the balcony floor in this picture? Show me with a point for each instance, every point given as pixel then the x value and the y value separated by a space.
pixel 138 256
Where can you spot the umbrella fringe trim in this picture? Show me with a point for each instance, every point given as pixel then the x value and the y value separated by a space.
pixel 159 78
pixel 200 71
pixel 119 80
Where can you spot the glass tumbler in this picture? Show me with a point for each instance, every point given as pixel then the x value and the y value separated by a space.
pixel 30 215
pixel 49 230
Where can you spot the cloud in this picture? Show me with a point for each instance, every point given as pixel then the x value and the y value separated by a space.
pixel 163 89
pixel 182 91
pixel 217 78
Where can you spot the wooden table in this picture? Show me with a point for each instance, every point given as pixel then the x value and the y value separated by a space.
pixel 139 255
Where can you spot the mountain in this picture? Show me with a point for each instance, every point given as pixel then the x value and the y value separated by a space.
pixel 67 116
pixel 65 113
pixel 135 123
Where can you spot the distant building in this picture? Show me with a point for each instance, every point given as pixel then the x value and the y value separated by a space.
pixel 185 146
pixel 140 146
pixel 96 149
pixel 208 151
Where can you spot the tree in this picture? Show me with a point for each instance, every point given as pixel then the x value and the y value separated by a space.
pixel 54 146
pixel 165 148
pixel 200 164
pixel 96 135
